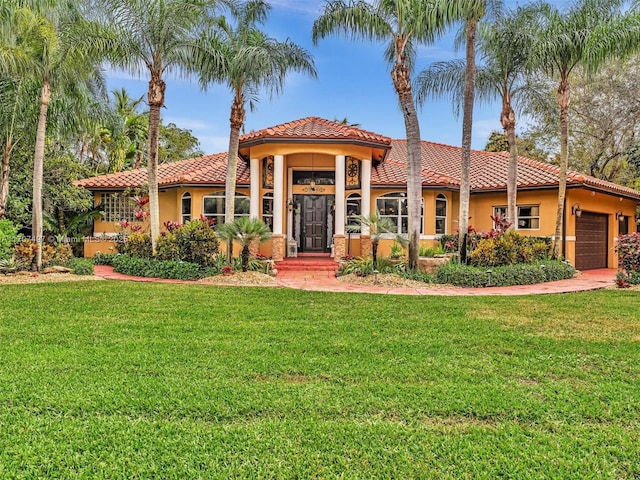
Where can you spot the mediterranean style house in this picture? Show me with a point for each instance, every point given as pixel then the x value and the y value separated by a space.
pixel 308 178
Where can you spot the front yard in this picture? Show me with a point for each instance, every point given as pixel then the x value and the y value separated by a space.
pixel 128 380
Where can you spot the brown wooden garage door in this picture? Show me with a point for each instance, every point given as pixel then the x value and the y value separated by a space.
pixel 591 241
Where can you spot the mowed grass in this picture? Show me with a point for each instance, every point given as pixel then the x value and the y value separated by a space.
pixel 129 380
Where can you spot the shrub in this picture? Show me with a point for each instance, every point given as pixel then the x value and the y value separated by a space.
pixel 81 266
pixel 25 253
pixel 104 258
pixel 364 266
pixel 8 238
pixel 628 249
pixel 146 267
pixel 502 276
pixel 425 251
pixel 508 248
pixel 196 242
pixel 137 244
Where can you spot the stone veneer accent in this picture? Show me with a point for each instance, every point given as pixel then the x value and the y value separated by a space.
pixel 278 247
pixel 339 246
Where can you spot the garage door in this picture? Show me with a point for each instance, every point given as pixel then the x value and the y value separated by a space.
pixel 591 241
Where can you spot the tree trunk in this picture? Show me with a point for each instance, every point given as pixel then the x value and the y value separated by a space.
pixel 245 257
pixel 156 102
pixel 508 121
pixel 61 224
pixel 401 77
pixel 374 253
pixel 38 170
pixel 467 124
pixel 4 177
pixel 564 95
pixel 236 121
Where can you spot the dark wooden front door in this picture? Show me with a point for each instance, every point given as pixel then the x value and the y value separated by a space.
pixel 314 223
pixel 591 241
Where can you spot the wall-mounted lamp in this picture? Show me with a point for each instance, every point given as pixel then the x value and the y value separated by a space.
pixel 576 210
pixel 290 204
pixel 620 216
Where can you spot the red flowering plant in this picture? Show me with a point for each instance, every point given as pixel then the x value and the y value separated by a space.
pixel 628 249
pixel 133 236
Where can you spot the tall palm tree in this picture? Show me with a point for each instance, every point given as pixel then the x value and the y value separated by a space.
pixel 404 24
pixel 155 38
pixel 47 49
pixel 586 34
pixel 245 231
pixel 252 62
pixel 504 47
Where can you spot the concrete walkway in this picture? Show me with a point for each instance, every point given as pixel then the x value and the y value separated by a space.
pixel 326 282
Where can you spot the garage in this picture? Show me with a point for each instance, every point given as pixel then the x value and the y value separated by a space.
pixel 591 241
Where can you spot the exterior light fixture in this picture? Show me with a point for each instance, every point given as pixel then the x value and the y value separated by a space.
pixel 576 210
pixel 290 204
pixel 620 216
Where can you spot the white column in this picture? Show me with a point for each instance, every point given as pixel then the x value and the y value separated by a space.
pixel 278 193
pixel 340 180
pixel 365 183
pixel 254 201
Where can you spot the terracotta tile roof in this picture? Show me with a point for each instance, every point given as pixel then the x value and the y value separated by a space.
pixel 441 167
pixel 206 170
pixel 314 128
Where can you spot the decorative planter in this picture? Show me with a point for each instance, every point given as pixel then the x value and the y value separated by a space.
pixel 431 264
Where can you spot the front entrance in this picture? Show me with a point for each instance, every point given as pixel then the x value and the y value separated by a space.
pixel 314 225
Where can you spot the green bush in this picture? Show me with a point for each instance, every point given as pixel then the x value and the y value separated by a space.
pixel 137 245
pixel 194 242
pixel 81 266
pixel 509 248
pixel 104 258
pixel 364 266
pixel 145 267
pixel 503 276
pixel 8 238
pixel 425 251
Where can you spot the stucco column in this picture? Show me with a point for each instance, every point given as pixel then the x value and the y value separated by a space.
pixel 365 180
pixel 278 193
pixel 278 239
pixel 254 201
pixel 340 208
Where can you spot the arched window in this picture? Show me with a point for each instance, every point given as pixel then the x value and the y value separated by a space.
pixel 185 214
pixel 393 206
pixel 354 208
pixel 267 210
pixel 441 214
pixel 213 207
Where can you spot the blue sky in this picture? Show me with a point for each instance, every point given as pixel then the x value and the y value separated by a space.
pixel 353 82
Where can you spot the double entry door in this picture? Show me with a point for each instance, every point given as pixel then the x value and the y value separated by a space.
pixel 315 222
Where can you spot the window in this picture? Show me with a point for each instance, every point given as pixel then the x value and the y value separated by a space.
pixel 354 202
pixel 441 214
pixel 117 207
pixel 213 207
pixel 186 208
pixel 267 210
pixel 528 216
pixel 393 207
pixel 623 225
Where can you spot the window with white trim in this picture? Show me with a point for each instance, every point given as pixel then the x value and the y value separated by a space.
pixel 117 207
pixel 185 214
pixel 394 206
pixel 441 214
pixel 267 210
pixel 354 208
pixel 528 216
pixel 213 207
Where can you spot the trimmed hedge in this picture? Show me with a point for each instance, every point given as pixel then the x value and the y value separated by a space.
pixel 81 266
pixel 105 258
pixel 521 274
pixel 145 267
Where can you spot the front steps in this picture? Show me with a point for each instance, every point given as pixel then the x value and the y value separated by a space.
pixel 307 263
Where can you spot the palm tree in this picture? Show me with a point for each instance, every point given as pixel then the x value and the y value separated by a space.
pixel 404 24
pixel 245 231
pixel 503 47
pixel 156 38
pixel 379 228
pixel 585 35
pixel 47 49
pixel 252 62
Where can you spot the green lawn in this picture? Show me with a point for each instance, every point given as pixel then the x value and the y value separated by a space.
pixel 130 380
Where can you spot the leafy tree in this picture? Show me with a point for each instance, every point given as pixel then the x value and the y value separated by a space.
pixel 525 145
pixel 176 144
pixel 404 24
pixel 155 38
pixel 584 35
pixel 245 231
